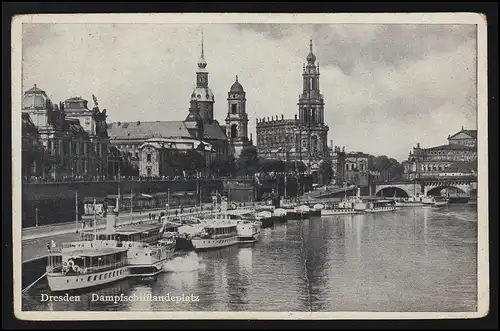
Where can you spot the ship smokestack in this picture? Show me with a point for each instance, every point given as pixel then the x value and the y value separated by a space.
pixel 111 215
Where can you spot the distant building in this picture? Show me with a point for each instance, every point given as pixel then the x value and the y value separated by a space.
pixel 338 163
pixel 464 138
pixel 457 158
pixel 159 156
pixel 356 170
pixel 303 138
pixel 128 137
pixel 76 149
pixel 33 152
pixel 200 124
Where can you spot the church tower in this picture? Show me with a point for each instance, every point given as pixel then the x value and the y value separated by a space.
pixel 237 118
pixel 194 122
pixel 311 104
pixel 202 93
pixel 313 133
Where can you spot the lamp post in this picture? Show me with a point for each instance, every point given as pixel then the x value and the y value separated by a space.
pixel 36 216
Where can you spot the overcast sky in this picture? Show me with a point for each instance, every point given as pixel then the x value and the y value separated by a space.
pixel 386 87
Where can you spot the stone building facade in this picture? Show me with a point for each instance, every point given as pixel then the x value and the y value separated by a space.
pixel 159 155
pixel 200 124
pixel 305 137
pixel 237 119
pixel 77 150
pixel 457 158
pixel 356 170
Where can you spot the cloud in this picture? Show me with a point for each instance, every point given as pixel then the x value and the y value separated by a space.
pixel 386 87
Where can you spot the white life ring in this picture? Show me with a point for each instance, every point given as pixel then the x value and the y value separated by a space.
pixel 65 268
pixel 65 264
pixel 76 268
pixel 71 263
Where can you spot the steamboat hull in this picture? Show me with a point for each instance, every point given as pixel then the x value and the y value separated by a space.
pixel 200 244
pixel 339 211
pixel 59 282
pixel 380 209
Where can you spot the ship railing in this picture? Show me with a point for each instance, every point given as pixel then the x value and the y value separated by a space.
pixel 107 266
pixel 53 267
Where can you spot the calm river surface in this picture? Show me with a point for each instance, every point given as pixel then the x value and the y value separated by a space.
pixel 414 259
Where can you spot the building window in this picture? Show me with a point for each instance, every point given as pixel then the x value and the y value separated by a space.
pixel 234 108
pixel 148 159
pixel 234 131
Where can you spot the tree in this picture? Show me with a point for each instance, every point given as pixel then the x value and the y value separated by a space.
pixel 194 160
pixel 248 162
pixel 271 165
pixel 326 172
pixel 389 168
pixel 295 166
pixel 222 166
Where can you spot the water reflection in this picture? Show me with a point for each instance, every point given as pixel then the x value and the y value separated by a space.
pixel 415 259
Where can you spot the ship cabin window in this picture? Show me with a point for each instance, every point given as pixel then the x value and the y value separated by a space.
pixel 88 279
pixel 100 277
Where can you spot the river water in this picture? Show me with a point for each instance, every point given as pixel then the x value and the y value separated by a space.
pixel 413 259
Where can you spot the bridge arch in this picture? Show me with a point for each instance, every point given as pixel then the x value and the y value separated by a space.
pixel 436 190
pixel 390 191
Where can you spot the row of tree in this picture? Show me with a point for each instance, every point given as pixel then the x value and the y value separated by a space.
pixel 248 164
pixel 390 169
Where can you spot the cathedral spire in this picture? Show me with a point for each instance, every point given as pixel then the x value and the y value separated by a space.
pixel 202 53
pixel 201 62
pixel 311 58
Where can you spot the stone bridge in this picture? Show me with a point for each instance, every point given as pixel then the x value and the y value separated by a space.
pixel 429 186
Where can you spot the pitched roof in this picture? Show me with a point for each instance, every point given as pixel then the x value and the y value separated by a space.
pixel 146 130
pixel 449 147
pixel 472 133
pixel 213 131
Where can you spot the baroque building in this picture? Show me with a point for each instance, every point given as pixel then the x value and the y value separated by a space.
pixel 303 138
pixel 457 158
pixel 199 127
pixel 356 169
pixel 74 137
pixel 237 119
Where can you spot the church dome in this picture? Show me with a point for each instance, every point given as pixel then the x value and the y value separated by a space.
pixel 203 94
pixel 202 64
pixel 236 87
pixel 311 57
pixel 35 98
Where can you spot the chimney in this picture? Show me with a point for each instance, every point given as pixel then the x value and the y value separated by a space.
pixel 138 122
pixel 119 123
